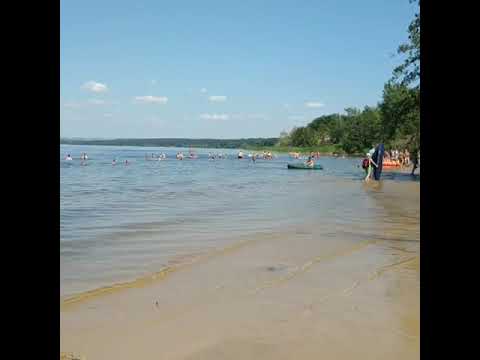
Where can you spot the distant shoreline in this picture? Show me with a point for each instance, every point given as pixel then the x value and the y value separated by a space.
pixel 252 144
pixel 176 142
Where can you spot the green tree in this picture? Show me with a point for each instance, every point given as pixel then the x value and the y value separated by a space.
pixel 323 126
pixel 363 129
pixel 337 129
pixel 303 136
pixel 401 101
pixel 409 72
pixel 401 115
pixel 284 139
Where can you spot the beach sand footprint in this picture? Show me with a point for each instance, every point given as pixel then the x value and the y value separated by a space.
pixel 276 268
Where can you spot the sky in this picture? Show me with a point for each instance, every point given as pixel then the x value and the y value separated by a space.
pixel 221 69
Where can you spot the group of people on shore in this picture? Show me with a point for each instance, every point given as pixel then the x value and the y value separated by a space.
pixel 402 158
pixel 392 158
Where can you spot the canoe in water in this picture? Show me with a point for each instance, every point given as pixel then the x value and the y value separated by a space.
pixel 302 166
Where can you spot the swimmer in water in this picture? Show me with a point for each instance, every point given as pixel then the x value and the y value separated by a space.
pixel 68 158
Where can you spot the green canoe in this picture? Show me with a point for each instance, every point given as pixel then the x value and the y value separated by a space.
pixel 302 166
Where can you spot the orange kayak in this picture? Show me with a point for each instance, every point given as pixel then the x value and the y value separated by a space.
pixel 390 164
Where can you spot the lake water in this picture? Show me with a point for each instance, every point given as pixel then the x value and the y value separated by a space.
pixel 119 223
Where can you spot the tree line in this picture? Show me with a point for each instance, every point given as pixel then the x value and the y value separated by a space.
pixel 177 142
pixel 395 120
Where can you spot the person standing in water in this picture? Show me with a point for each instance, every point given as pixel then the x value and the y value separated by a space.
pixel 415 158
pixel 371 163
pixel 68 157
pixel 114 162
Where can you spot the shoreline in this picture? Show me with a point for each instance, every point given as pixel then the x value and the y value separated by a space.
pixel 338 153
pixel 70 300
pixel 287 295
pixel 174 265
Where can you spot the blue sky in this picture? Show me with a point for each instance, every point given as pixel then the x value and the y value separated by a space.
pixel 221 69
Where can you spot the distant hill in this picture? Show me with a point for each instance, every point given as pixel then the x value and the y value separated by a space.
pixel 177 142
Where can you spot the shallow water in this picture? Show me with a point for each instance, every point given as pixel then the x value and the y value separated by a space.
pixel 122 222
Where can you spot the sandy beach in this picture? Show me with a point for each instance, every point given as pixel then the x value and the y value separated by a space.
pixel 281 222
pixel 296 294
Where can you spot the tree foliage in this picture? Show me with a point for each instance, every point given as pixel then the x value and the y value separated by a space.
pixel 400 111
pixel 355 131
pixel 179 142
pixel 395 121
pixel 409 72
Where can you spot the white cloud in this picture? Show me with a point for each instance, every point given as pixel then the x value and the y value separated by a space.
pixel 96 102
pixel 214 116
pixel 95 86
pixel 154 82
pixel 286 106
pixel 314 104
pixel 149 99
pixel 217 98
pixel 203 90
pixel 108 115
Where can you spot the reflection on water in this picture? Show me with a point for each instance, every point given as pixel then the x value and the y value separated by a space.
pixel 121 222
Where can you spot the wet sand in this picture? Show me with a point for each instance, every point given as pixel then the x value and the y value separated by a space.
pixel 296 294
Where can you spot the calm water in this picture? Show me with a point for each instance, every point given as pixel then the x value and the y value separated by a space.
pixel 121 222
